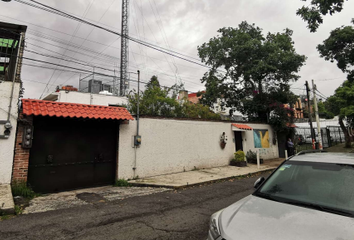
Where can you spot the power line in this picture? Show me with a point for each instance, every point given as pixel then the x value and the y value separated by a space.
pixel 67 57
pixel 168 44
pixel 101 53
pixel 51 29
pixel 103 59
pixel 52 68
pixel 161 31
pixel 160 72
pixel 87 71
pixel 66 44
pixel 191 77
pixel 72 61
pixel 76 29
pixel 321 94
pixel 76 61
pixel 61 41
pixel 55 64
pixel 149 45
pixel 64 66
pixel 329 79
pixel 88 40
pixel 27 80
pixel 98 54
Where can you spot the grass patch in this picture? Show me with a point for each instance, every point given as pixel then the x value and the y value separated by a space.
pixel 121 183
pixel 303 147
pixel 18 210
pixel 5 217
pixel 340 148
pixel 20 188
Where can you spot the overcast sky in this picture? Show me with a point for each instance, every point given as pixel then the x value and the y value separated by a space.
pixel 178 25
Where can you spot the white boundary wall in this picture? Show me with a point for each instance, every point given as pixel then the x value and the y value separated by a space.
pixel 170 146
pixel 7 146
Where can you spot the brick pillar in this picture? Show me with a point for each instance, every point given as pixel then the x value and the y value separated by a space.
pixel 21 156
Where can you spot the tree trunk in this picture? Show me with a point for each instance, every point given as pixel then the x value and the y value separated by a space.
pixel 346 134
pixel 263 117
pixel 260 87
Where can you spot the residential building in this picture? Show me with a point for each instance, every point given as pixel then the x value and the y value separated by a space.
pixel 70 94
pixel 11 50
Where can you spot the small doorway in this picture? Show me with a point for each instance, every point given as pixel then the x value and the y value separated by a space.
pixel 281 144
pixel 238 141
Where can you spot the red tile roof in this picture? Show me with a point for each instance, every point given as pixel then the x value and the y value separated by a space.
pixel 242 126
pixel 73 110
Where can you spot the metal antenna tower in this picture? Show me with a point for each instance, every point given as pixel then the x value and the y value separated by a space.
pixel 124 52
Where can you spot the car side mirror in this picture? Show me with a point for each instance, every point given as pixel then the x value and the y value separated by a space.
pixel 259 182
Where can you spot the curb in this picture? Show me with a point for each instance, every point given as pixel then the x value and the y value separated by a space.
pixel 7 205
pixel 134 184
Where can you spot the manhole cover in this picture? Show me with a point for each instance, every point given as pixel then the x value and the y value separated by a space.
pixel 90 197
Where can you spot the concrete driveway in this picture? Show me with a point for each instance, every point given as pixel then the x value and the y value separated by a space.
pixel 86 196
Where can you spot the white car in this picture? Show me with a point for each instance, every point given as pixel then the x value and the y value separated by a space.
pixel 308 197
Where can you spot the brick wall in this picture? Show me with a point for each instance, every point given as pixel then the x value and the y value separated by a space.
pixel 21 156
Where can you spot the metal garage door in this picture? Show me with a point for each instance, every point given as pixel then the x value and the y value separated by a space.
pixel 70 153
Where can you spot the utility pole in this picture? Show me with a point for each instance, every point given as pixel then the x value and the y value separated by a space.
pixel 309 112
pixel 124 52
pixel 314 88
pixel 137 107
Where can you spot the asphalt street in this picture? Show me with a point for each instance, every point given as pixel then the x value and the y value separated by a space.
pixel 182 214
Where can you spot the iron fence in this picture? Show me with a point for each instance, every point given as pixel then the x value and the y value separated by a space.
pixel 330 135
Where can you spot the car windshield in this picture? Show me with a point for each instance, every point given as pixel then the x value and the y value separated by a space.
pixel 323 186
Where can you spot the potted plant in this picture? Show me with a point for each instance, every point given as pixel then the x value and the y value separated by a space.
pixel 252 157
pixel 239 159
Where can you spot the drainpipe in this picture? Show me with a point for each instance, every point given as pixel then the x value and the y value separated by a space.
pixel 7 122
pixel 137 139
pixel 14 77
pixel 92 82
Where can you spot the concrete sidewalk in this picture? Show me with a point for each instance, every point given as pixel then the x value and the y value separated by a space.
pixel 6 201
pixel 184 179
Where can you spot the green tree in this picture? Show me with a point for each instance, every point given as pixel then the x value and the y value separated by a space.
pixel 339 47
pixel 158 101
pixel 154 100
pixel 154 82
pixel 342 104
pixel 257 73
pixel 314 12
pixel 323 112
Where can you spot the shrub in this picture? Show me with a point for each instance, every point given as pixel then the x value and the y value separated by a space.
pixel 239 156
pixel 121 183
pixel 251 155
pixel 20 188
